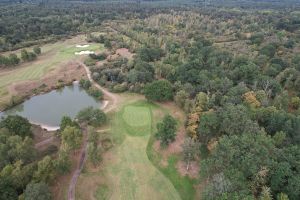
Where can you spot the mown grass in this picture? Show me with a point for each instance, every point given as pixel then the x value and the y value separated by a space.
pixel 132 174
pixel 132 170
pixel 184 185
pixel 137 119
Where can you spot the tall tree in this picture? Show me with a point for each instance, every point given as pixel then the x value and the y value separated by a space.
pixel 166 130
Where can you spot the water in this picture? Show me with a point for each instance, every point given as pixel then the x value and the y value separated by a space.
pixel 48 109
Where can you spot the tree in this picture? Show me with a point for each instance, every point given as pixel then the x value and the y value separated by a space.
pixel 17 125
pixel 13 59
pixel 160 90
pixel 91 116
pixel 71 137
pixel 7 190
pixel 285 172
pixel 37 50
pixel 107 44
pixel 67 121
pixel 166 130
pixel 190 150
pixel 86 84
pixel 24 55
pixel 36 191
pixel 150 54
pixel 180 98
pixel 236 120
pixel 239 159
pixel 45 171
pixel 63 162
pixel 268 50
pixel 208 129
pixel 93 148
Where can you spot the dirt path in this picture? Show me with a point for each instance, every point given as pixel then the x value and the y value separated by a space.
pixel 113 101
pixel 44 142
pixel 112 97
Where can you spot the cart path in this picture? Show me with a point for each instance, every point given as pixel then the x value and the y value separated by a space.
pixel 113 101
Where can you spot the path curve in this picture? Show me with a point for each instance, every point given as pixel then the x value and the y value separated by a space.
pixel 44 142
pixel 112 97
pixel 111 105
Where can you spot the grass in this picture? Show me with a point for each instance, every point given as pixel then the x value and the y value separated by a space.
pixel 131 169
pixel 137 119
pixel 52 56
pixel 184 185
pixel 102 192
pixel 132 174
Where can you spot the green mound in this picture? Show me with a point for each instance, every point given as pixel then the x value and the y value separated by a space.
pixel 137 119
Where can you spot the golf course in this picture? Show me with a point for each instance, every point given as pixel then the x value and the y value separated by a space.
pixel 54 56
pixel 127 172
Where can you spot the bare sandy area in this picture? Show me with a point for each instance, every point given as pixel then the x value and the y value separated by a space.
pixel 87 52
pixel 82 46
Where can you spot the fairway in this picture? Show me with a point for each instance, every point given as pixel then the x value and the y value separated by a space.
pixel 129 173
pixel 53 56
pixel 132 174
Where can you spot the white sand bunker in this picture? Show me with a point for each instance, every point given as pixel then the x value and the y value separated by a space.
pixel 84 52
pixel 82 46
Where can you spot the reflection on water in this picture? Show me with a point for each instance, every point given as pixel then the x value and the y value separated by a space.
pixel 48 109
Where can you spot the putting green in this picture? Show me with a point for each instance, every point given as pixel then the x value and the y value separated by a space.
pixel 130 172
pixel 136 120
pixel 137 116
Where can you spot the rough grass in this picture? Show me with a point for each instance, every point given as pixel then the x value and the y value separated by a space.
pixel 102 193
pixel 53 55
pixel 184 185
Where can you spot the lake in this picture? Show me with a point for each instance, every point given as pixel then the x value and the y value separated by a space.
pixel 48 109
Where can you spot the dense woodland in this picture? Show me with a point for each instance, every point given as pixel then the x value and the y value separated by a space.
pixel 234 72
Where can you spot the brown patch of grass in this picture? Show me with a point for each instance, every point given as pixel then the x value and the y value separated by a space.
pixel 63 75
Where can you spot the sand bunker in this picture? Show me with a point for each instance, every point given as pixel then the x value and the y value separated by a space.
pixel 84 52
pixel 82 46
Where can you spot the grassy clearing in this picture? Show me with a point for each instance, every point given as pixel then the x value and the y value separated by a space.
pixel 53 55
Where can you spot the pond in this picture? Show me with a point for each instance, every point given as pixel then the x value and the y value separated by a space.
pixel 48 109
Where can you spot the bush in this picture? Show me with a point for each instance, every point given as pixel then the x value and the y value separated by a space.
pixel 94 117
pixel 36 191
pixel 86 84
pixel 90 62
pixel 95 92
pixel 120 88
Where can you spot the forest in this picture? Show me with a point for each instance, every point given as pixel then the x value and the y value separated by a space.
pixel 232 68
